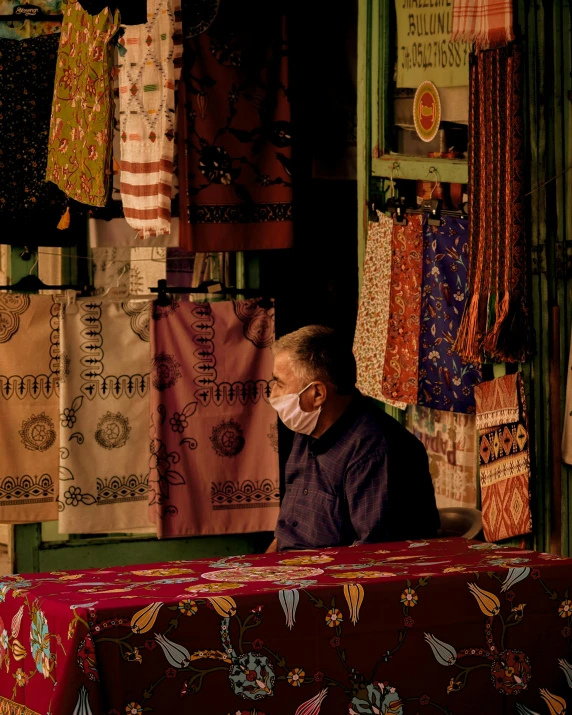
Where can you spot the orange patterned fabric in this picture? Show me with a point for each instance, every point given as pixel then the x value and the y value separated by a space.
pixel 504 457
pixel 401 368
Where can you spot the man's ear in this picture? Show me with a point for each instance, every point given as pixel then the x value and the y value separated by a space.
pixel 320 393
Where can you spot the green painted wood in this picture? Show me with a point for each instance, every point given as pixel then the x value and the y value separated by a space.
pixel 34 555
pixel 418 168
pixel 363 127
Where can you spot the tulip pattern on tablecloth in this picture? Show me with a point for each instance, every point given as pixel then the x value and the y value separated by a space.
pixel 330 632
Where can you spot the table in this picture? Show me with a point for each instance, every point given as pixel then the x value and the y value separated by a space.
pixel 445 626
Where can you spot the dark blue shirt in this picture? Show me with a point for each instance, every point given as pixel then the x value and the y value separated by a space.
pixel 365 480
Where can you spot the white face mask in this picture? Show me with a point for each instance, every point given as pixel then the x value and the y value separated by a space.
pixel 293 416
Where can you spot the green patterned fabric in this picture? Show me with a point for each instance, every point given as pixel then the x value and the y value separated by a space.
pixel 82 113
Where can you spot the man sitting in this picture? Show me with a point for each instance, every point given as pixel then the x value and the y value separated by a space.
pixel 354 475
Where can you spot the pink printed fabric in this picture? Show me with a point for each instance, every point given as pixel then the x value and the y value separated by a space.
pixel 214 444
pixel 486 23
pixel 147 75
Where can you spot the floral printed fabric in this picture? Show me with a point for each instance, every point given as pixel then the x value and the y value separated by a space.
pixel 370 339
pixel 234 124
pixel 81 124
pixel 104 418
pixel 28 28
pixel 401 368
pixel 273 633
pixel 214 465
pixel 147 114
pixel 29 408
pixel 451 443
pixel 446 381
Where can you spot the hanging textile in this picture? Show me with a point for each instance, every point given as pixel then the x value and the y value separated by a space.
pixel 214 466
pixel 147 114
pixel 497 242
pixel 79 157
pixel 451 442
pixel 26 29
pixel 486 23
pixel 370 338
pixel 137 269
pixel 401 367
pixel 104 427
pixel 503 457
pixel 29 407
pixel 446 381
pixel 28 204
pixel 234 125
pixel 567 429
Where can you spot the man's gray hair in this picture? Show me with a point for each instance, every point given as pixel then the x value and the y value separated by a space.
pixel 318 353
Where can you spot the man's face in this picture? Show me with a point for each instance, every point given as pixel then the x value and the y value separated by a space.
pixel 285 381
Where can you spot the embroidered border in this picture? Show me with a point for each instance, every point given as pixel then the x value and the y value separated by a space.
pixel 244 495
pixel 117 490
pixel 26 489
pixel 240 213
pixel 9 707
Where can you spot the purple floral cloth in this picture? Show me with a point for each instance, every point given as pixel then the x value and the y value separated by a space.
pixel 446 382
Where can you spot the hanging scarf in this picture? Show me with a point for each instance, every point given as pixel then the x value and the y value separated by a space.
pixel 29 407
pixel 446 381
pixel 487 23
pixel 401 367
pixel 370 341
pixel 104 421
pixel 504 457
pixel 234 125
pixel 147 111
pixel 214 466
pixel 497 242
pixel 81 127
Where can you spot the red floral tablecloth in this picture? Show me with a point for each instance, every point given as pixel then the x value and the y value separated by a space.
pixel 446 626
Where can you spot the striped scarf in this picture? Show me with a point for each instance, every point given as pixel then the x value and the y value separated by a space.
pixel 147 76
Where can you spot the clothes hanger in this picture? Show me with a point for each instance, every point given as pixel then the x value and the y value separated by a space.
pixel 207 288
pixel 31 283
pixel 28 11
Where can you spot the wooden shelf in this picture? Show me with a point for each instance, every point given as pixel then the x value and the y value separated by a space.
pixel 419 168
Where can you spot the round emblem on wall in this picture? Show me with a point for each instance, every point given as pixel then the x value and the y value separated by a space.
pixel 199 16
pixel 38 433
pixel 427 111
pixel 112 430
pixel 227 439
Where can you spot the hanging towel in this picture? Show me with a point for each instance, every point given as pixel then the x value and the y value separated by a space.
pixel 487 23
pixel 235 136
pixel 147 118
pixel 104 424
pixel 401 368
pixel 370 339
pixel 29 407
pixel 446 381
pixel 214 467
pixel 567 430
pixel 504 457
pixel 451 443
pixel 79 157
pixel 497 239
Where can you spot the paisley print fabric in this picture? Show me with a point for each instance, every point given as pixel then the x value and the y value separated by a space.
pixel 401 368
pixel 80 142
pixel 214 466
pixel 446 381
pixel 370 339
pixel 104 418
pixel 29 407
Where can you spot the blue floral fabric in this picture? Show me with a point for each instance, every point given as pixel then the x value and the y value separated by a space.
pixel 28 28
pixel 446 382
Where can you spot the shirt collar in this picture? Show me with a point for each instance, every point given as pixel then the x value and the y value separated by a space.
pixel 319 445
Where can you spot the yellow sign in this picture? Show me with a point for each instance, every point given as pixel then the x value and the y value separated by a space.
pixel 424 49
